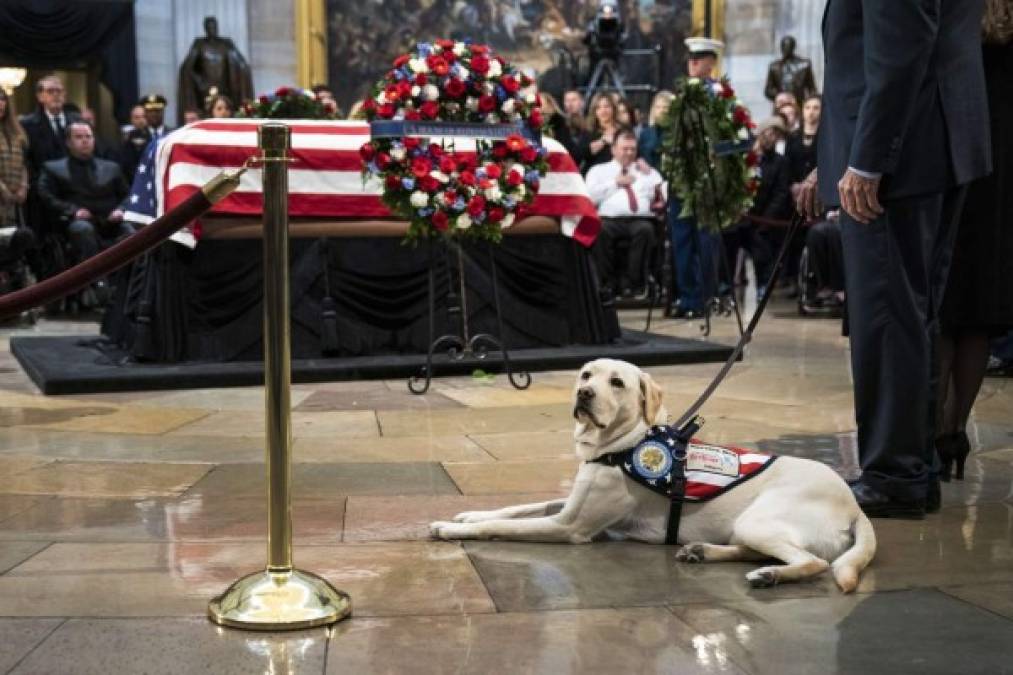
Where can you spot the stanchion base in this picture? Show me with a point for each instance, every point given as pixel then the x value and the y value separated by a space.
pixel 280 601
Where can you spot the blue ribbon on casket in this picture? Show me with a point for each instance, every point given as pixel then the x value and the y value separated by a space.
pixel 420 129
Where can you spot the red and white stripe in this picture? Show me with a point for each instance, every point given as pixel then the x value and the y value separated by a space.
pixel 325 179
pixel 704 485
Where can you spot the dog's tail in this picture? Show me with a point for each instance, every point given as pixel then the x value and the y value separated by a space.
pixel 850 564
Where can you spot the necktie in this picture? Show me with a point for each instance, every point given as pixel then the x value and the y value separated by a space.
pixel 58 120
pixel 630 194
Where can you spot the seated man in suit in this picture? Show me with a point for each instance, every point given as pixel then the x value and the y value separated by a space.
pixel 627 193
pixel 84 192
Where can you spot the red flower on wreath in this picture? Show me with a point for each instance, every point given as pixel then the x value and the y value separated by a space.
pixel 467 178
pixel 515 143
pixel 430 110
pixel 412 115
pixel 455 88
pixel 487 103
pixel 479 50
pixel 438 65
pixel 282 92
pixel 514 178
pixel 421 167
pixel 369 105
pixel 429 184
pixel 476 205
pixel 741 116
pixel 383 160
pixel 499 151
pixel 479 64
pixel 510 84
pixel 367 152
pixel 441 221
pixel 535 119
pixel 493 171
pixel 496 214
pixel 447 164
pixel 529 154
pixel 402 60
pixel 386 111
pixel 421 79
pixel 443 43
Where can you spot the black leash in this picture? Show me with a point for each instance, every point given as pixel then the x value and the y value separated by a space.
pixel 690 415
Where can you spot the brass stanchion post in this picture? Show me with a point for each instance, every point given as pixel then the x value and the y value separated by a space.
pixel 281 597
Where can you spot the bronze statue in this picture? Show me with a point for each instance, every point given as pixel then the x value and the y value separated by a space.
pixel 213 63
pixel 790 73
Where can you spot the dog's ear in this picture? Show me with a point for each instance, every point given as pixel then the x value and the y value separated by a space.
pixel 650 394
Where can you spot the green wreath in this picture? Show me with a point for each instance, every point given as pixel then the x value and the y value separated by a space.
pixel 716 187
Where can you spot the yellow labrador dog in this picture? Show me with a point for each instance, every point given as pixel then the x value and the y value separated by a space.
pixel 798 511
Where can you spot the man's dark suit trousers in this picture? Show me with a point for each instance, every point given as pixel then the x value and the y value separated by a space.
pixel 896 268
pixel 640 231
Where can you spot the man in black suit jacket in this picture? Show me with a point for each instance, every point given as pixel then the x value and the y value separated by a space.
pixel 904 130
pixel 85 192
pixel 137 139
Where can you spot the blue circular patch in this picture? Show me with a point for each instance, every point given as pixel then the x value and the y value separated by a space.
pixel 652 459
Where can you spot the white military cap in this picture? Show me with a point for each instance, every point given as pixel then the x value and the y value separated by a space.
pixel 703 46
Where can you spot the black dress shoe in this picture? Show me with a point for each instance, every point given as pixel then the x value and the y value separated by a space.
pixel 878 505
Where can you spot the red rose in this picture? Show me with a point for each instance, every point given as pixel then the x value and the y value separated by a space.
pixel 741 116
pixel 440 221
pixel 412 115
pixel 367 152
pixel 392 92
pixel 479 64
pixel 430 110
pixel 529 154
pixel 421 167
pixel 429 184
pixel 514 178
pixel 493 171
pixel 421 79
pixel 386 111
pixel 264 100
pixel 496 214
pixel 392 182
pixel 727 91
pixel 510 84
pixel 447 164
pixel 438 64
pixel 435 150
pixel 450 196
pixel 516 142
pixel 383 160
pixel 487 103
pixel 369 105
pixel 478 50
pixel 485 183
pixel 535 119
pixel 454 88
pixel 445 44
pixel 404 89
pixel 465 164
pixel 411 142
pixel 751 158
pixel 329 107
pixel 499 151
pixel 534 186
pixel 476 205
pixel 402 60
pixel 466 178
pixel 450 56
pixel 282 92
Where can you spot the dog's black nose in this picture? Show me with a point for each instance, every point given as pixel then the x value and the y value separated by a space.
pixel 585 394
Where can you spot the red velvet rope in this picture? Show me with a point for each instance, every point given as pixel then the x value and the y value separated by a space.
pixel 106 262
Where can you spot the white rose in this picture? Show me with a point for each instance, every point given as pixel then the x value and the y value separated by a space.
pixel 432 92
pixel 508 220
pixel 459 48
pixel 717 88
pixel 488 88
pixel 492 118
pixel 416 90
pixel 495 70
pixel 693 80
pixel 463 221
pixel 471 104
pixel 530 98
pixel 520 191
pixel 419 199
pixel 440 176
pixel 508 106
pixel 440 199
pixel 418 66
pixel 494 193
pixel 381 98
pixel 397 154
pixel 744 134
pixel 463 73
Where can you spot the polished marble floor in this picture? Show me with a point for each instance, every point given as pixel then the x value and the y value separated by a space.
pixel 122 514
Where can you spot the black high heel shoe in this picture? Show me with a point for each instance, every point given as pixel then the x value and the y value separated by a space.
pixel 952 449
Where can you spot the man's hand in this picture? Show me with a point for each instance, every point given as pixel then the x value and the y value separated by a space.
pixel 643 166
pixel 21 195
pixel 806 201
pixel 82 214
pixel 859 197
pixel 624 180
pixel 115 216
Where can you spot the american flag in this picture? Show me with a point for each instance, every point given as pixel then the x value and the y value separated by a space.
pixel 324 178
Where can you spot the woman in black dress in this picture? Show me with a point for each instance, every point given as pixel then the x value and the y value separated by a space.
pixel 602 125
pixel 979 296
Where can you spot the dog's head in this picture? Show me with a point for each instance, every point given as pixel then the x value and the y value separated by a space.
pixel 611 398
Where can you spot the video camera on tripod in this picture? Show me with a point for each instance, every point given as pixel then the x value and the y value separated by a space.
pixel 606 41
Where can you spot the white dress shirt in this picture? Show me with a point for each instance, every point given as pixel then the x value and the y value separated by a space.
pixel 612 200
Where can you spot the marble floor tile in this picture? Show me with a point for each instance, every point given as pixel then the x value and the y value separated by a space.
pixel 921 631
pixel 504 395
pixel 192 518
pixel 22 416
pixel 11 505
pixel 129 420
pixel 18 637
pixel 520 445
pixel 13 553
pixel 814 417
pixel 408 518
pixel 373 399
pixel 537 577
pixel 246 423
pixel 642 640
pixel 179 578
pixel 457 448
pixel 476 421
pixel 327 481
pixel 155 646
pixel 105 479
pixel 996 598
pixel 11 466
pixel 228 399
pixel 551 475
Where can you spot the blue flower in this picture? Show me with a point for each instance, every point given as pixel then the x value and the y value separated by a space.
pixel 373 168
pixel 408 183
pixel 480 173
pixel 424 48
pixel 531 176
pixel 426 212
pixel 501 93
pixel 459 204
pixel 509 202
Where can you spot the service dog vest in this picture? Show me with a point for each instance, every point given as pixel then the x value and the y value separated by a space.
pixel 684 471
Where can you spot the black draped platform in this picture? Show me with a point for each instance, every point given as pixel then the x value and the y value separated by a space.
pixel 193 318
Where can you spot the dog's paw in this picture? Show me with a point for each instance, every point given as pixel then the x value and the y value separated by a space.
pixel 470 517
pixel 690 553
pixel 764 577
